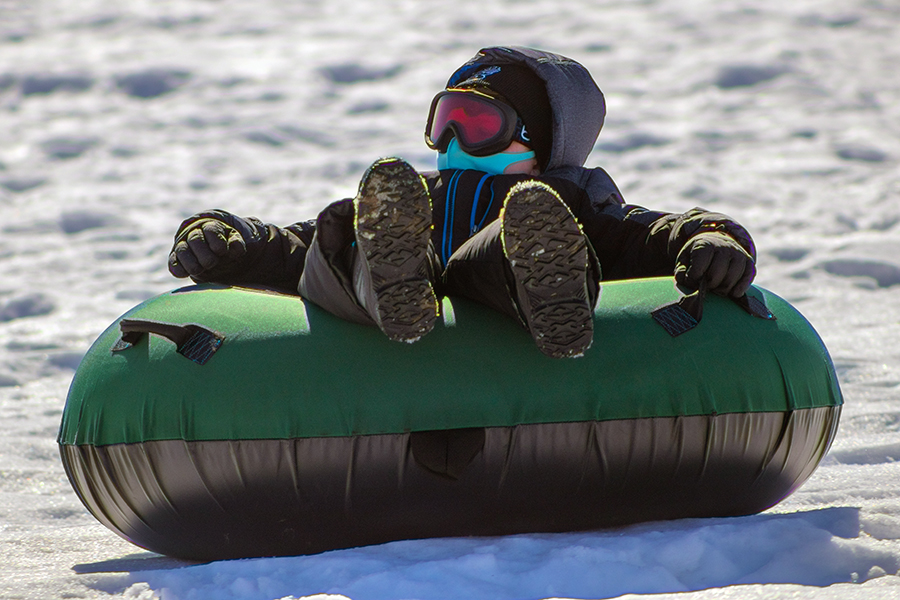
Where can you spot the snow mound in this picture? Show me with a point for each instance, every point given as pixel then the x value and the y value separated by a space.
pixel 815 548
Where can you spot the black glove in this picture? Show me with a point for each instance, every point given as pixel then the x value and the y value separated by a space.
pixel 716 258
pixel 205 246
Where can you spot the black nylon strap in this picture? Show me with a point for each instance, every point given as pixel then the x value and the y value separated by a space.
pixel 755 307
pixel 682 316
pixel 674 319
pixel 191 340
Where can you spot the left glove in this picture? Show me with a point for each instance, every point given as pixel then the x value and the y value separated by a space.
pixel 716 258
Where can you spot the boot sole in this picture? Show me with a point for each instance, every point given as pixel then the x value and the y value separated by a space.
pixel 549 259
pixel 393 227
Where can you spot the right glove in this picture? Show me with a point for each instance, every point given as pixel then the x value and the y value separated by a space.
pixel 203 246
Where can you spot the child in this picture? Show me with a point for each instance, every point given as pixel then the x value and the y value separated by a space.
pixel 511 219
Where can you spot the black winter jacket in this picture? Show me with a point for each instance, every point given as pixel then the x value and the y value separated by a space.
pixel 629 241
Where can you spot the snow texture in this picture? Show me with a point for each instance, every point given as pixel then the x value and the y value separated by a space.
pixel 118 120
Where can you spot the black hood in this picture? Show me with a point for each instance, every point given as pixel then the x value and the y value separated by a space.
pixel 576 102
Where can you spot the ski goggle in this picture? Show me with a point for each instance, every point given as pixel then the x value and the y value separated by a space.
pixel 481 125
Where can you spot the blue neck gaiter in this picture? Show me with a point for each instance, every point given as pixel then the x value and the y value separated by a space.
pixel 495 164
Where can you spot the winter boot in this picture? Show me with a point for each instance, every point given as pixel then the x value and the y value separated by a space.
pixel 548 256
pixel 393 226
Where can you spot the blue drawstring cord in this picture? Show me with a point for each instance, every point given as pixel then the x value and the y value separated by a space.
pixel 473 229
pixel 449 209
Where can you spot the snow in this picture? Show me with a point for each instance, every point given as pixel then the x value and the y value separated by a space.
pixel 814 549
pixel 118 120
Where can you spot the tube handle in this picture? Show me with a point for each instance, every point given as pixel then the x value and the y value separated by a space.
pixel 682 316
pixel 193 341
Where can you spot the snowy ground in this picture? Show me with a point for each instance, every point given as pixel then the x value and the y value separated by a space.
pixel 117 120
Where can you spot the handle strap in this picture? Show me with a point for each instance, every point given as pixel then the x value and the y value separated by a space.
pixel 682 316
pixel 192 341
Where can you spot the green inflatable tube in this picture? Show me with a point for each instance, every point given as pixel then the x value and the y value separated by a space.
pixel 215 422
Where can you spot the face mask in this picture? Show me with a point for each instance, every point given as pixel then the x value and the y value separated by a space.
pixel 495 164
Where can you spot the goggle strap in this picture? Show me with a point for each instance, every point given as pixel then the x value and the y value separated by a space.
pixel 521 134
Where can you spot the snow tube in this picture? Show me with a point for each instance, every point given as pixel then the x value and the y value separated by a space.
pixel 214 422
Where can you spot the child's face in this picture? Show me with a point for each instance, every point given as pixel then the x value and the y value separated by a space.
pixel 523 167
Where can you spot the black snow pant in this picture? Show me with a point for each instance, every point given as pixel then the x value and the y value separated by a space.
pixel 477 270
